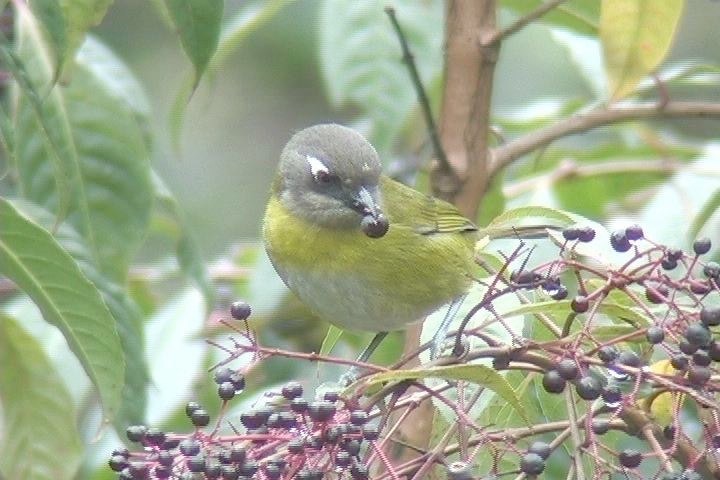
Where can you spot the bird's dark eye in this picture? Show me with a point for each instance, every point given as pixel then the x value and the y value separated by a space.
pixel 323 177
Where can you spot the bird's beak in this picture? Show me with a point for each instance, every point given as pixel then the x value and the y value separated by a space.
pixel 374 224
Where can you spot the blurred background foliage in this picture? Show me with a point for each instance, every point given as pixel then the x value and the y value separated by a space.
pixel 295 63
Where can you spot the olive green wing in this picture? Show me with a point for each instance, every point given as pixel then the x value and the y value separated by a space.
pixel 424 214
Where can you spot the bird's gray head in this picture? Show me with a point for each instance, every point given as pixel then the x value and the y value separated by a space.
pixel 329 175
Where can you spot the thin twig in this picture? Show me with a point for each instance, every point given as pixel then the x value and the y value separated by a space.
pixel 574 433
pixel 504 155
pixel 419 90
pixel 524 20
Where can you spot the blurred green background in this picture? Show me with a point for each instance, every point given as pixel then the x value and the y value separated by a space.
pixel 238 121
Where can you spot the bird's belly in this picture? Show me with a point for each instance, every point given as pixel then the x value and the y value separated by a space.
pixel 352 302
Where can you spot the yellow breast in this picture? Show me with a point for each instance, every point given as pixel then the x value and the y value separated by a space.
pixel 363 283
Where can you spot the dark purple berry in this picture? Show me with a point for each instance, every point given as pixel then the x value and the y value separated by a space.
pixel 191 407
pixel 532 464
pixel 608 353
pixel 321 411
pixel 674 253
pixel 155 436
pixel 679 362
pixel 240 310
pixel 687 348
pixel 230 472
pixel 701 358
pixel 226 391
pixel 189 447
pixel 587 234
pixel 196 464
pixel 634 232
pixel 299 405
pixel 712 270
pixel 248 468
pixel 374 227
pixel 669 432
pixel 588 388
pixel 136 433
pixel 701 246
pixel 698 375
pixel 580 304
pixel 292 390
pixel 213 470
pixel 541 448
pixel 619 241
pixel 698 334
pixel 629 358
pixel 331 397
pixel 117 463
pixel 138 470
pixel 165 458
pixel 358 417
pixel 200 417
pixel 296 446
pixel 272 472
pixel 571 233
pixel 611 394
pixel 352 447
pixel 238 381
pixel 553 382
pixel 668 263
pixel 560 294
pixel 568 369
pixel 630 458
pixel 600 426
pixel 359 471
pixel 222 375
pixel 710 316
pixel 714 351
pixel 655 335
pixel 370 432
pixel 122 452
pixel 342 459
pixel 237 454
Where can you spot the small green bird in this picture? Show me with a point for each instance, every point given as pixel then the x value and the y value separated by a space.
pixel 361 250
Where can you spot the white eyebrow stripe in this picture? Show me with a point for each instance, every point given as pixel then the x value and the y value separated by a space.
pixel 316 166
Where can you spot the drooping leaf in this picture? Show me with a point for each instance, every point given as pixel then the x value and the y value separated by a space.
pixel 198 24
pixel 478 374
pixel 50 15
pixel 125 312
pixel 40 440
pixel 636 36
pixel 579 16
pixel 80 16
pixel 243 23
pixel 107 151
pixel 361 61
pixel 41 268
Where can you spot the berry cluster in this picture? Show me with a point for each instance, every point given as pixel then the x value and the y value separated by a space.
pixel 634 345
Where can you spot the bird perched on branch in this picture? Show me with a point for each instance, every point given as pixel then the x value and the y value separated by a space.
pixel 361 250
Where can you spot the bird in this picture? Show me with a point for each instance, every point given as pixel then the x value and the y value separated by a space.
pixel 361 250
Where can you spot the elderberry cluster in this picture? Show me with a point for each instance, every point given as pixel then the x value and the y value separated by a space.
pixel 295 438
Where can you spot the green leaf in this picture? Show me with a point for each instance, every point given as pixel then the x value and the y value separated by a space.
pixel 505 224
pixel 580 16
pixel 41 268
pixel 636 36
pixel 238 28
pixel 361 61
pixel 478 374
pixel 198 25
pixel 40 439
pixel 708 210
pixel 107 154
pixel 125 312
pixel 50 15
pixel 81 16
pixel 333 335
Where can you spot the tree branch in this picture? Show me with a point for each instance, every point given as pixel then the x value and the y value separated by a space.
pixel 419 90
pixel 505 154
pixel 524 20
pixel 465 116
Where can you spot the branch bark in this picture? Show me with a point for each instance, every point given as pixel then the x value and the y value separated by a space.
pixel 504 155
pixel 470 58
